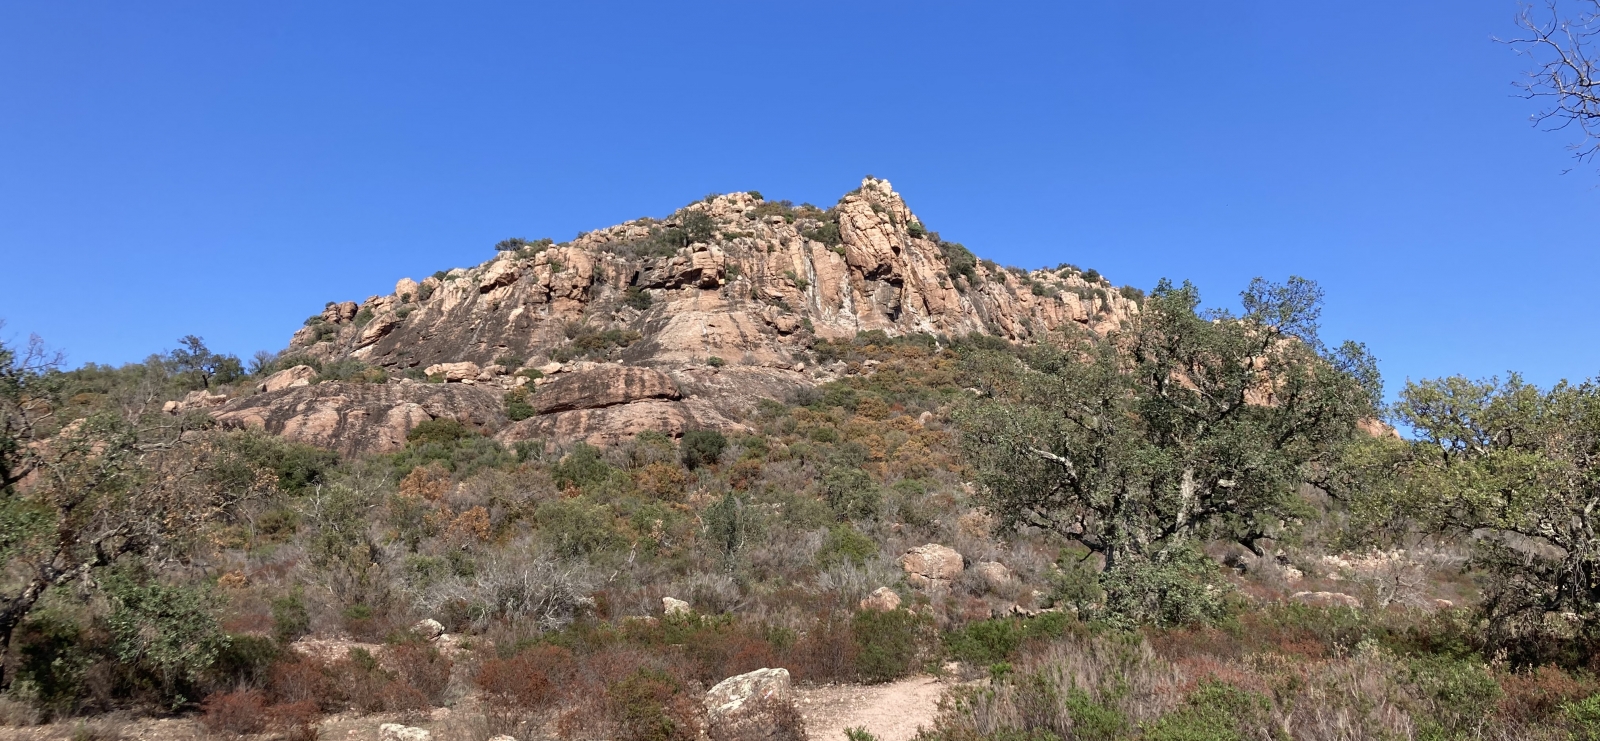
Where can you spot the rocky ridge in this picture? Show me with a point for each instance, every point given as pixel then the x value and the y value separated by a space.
pixel 666 324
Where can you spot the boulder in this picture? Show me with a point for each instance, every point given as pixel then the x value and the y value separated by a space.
pixel 994 574
pixel 288 378
pixel 1326 599
pixel 755 705
pixel 454 371
pixel 405 289
pixel 671 606
pixel 931 566
pixel 428 629
pixel 882 599
pixel 397 732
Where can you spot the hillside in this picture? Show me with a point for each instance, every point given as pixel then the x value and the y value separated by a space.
pixel 657 324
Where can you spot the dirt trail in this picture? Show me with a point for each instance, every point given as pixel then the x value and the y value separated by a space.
pixel 891 712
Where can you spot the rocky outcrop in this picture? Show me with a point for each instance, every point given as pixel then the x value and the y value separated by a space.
pixel 931 566
pixel 690 318
pixel 604 386
pixel 882 599
pixel 355 418
pixel 300 375
pixel 755 705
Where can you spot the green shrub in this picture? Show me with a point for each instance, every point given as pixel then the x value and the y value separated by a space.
pixel 1180 587
pixel 985 641
pixel 886 643
pixel 916 230
pixel 701 448
pixel 851 493
pixel 442 431
pixel 1091 275
pixel 1583 718
pixel 290 617
pixel 511 245
pixel 649 705
pixel 637 298
pixel 581 467
pixel 959 260
pixel 715 362
pixel 52 655
pixel 826 232
pixel 167 633
pixel 517 406
pixel 1462 694
pixel 845 544
pixel 1214 712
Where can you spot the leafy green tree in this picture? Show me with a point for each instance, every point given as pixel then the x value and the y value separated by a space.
pixel 1180 425
pixel 1516 470
pixel 194 360
pixel 112 487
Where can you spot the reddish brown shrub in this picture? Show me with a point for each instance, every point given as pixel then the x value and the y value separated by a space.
pixel 238 713
pixel 298 720
pixel 1536 696
pixel 533 679
pixel 301 679
pixel 423 668
pixel 826 653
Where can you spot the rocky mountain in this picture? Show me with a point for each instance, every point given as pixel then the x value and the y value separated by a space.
pixel 654 324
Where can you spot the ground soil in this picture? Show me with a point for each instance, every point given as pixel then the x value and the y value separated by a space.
pixel 891 712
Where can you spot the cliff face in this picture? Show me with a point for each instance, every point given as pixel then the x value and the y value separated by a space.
pixel 720 302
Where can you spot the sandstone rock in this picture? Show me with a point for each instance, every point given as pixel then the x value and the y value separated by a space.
pixel 671 606
pixel 397 732
pixel 454 371
pixel 604 386
pixel 786 290
pixel 502 737
pixel 931 566
pixel 1326 599
pixel 755 705
pixel 882 599
pixel 993 573
pixel 356 418
pixel 429 629
pixel 295 377
pixel 405 289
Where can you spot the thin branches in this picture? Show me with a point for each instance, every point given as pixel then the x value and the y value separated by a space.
pixel 1564 74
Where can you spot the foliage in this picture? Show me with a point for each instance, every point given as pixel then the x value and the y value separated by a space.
pixel 171 629
pixel 701 448
pixel 1182 425
pixel 517 406
pixel 886 643
pixel 1512 466
pixel 958 260
pixel 637 298
pixel 195 361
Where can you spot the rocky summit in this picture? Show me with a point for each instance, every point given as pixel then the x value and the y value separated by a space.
pixel 655 324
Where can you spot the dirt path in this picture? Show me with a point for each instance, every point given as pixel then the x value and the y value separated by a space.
pixel 891 712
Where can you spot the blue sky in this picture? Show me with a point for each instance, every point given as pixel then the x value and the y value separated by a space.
pixel 223 169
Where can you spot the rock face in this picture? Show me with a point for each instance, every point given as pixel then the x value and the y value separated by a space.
pixel 931 566
pixel 604 386
pixel 295 377
pixel 362 417
pixel 675 323
pixel 882 599
pixel 757 705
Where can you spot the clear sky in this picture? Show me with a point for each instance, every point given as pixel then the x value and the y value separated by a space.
pixel 224 169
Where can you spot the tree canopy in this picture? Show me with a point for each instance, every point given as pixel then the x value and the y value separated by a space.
pixel 1182 424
